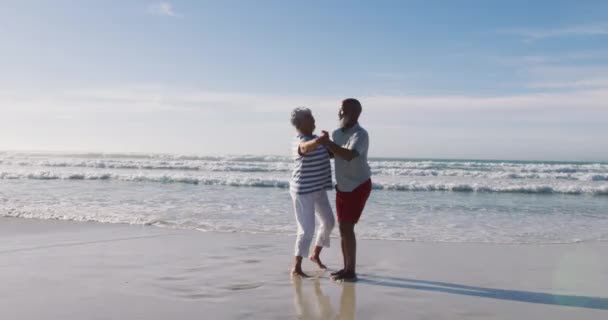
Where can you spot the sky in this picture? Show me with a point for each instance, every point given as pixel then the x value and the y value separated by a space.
pixel 437 79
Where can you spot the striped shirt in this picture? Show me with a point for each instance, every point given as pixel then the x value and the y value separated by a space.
pixel 312 171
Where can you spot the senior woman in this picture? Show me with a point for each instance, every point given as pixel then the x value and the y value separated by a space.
pixel 309 183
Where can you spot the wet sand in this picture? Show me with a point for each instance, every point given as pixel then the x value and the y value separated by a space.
pixel 71 270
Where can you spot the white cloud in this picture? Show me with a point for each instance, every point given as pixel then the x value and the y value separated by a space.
pixel 163 9
pixel 147 98
pixel 575 30
pixel 561 58
pixel 576 70
pixel 577 84
pixel 156 118
pixel 568 77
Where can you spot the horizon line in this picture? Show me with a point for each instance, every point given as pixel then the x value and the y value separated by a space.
pixel 376 158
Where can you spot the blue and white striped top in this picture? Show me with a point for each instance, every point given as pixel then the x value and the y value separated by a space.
pixel 312 171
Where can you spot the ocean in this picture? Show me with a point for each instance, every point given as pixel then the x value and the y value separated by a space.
pixel 425 200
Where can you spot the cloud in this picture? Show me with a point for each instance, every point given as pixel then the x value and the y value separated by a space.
pixel 561 58
pixel 567 31
pixel 159 98
pixel 574 77
pixel 577 84
pixel 157 118
pixel 570 70
pixel 162 9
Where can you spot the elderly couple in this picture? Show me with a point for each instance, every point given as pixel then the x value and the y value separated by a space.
pixel 311 179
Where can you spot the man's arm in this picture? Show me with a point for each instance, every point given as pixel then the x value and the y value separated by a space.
pixel 337 150
pixel 331 154
pixel 343 153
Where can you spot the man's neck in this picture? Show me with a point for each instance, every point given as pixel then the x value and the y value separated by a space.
pixel 348 126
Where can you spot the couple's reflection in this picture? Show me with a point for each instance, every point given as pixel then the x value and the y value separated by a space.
pixel 321 307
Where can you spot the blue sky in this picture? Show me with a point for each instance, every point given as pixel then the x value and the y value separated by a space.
pixel 455 79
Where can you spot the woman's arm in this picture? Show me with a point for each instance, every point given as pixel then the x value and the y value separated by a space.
pixel 308 146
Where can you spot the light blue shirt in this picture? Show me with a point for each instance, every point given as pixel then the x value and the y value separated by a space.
pixel 351 174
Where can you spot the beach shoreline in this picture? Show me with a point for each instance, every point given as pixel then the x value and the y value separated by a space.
pixel 53 269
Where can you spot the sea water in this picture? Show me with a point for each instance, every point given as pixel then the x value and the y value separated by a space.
pixel 427 200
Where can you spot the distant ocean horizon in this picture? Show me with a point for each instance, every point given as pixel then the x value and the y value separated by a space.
pixel 136 154
pixel 414 199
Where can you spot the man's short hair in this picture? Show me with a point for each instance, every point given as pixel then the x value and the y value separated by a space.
pixel 354 104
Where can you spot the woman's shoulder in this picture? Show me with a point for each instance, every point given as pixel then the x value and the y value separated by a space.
pixel 306 137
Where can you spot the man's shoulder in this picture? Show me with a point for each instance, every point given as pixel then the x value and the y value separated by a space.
pixel 335 132
pixel 361 131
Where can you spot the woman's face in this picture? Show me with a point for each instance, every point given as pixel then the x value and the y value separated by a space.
pixel 307 124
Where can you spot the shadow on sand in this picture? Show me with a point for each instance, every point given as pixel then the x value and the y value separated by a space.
pixel 491 293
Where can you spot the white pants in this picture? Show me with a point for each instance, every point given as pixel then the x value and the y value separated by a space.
pixel 305 206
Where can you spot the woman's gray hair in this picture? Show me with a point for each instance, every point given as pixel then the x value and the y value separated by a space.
pixel 297 114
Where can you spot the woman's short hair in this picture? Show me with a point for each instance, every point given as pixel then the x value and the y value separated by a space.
pixel 297 114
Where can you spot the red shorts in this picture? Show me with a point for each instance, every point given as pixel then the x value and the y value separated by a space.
pixel 349 205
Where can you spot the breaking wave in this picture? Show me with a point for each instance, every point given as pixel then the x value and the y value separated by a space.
pixel 486 187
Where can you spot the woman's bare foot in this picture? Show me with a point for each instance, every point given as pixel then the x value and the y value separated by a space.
pixel 297 272
pixel 297 268
pixel 317 260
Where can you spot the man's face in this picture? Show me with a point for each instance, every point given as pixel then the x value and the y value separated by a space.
pixel 344 115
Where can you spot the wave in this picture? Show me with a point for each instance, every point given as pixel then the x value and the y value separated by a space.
pixel 574 189
pixel 596 172
pixel 168 167
pixel 236 182
pixel 509 175
pixel 224 166
pixel 490 167
pixel 485 188
pixel 151 156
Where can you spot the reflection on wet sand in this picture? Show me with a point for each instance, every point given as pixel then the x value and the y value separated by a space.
pixel 348 300
pixel 322 308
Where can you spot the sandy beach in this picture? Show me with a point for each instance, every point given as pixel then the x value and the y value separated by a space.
pixel 70 270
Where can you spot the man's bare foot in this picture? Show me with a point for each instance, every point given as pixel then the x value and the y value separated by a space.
pixel 337 273
pixel 317 260
pixel 297 272
pixel 346 276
